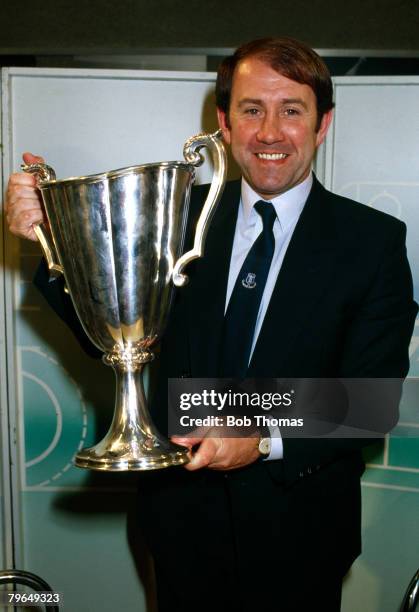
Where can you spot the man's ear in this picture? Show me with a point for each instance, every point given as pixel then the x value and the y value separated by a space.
pixel 324 126
pixel 224 125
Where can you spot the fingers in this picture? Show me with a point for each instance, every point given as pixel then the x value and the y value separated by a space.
pixel 206 455
pixel 21 180
pixel 19 188
pixel 23 216
pixel 29 158
pixel 188 441
pixel 21 224
pixel 23 205
pixel 23 209
pixel 220 453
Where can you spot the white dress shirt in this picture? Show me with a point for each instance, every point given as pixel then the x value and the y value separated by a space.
pixel 288 207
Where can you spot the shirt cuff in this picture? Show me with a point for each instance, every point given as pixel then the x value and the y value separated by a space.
pixel 277 447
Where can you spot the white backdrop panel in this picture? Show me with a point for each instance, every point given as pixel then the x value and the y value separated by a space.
pixel 88 121
pixel 373 151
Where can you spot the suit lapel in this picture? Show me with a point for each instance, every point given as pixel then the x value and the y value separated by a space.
pixel 305 274
pixel 208 293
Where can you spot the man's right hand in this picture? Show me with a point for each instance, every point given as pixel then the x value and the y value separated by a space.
pixel 23 204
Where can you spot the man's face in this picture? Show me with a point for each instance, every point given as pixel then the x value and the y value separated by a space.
pixel 271 128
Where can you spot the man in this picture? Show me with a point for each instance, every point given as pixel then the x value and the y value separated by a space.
pixel 248 526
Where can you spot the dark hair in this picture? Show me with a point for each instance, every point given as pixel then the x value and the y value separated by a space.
pixel 289 57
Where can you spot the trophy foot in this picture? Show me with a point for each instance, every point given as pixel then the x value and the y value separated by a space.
pixel 148 456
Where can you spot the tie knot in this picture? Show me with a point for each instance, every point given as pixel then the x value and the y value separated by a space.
pixel 268 213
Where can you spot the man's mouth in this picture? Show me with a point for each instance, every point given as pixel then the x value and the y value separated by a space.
pixel 272 156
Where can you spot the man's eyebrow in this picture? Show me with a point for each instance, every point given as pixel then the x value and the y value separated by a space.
pixel 299 101
pixel 250 101
pixel 258 101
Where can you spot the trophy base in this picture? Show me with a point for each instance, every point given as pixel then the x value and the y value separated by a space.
pixel 107 460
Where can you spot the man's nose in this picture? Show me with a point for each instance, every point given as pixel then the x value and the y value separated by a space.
pixel 270 129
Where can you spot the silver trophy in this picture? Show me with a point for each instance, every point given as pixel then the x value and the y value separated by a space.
pixel 118 237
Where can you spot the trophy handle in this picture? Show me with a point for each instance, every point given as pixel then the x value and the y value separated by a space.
pixel 191 153
pixel 44 173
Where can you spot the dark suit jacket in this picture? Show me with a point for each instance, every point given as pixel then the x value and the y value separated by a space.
pixel 342 307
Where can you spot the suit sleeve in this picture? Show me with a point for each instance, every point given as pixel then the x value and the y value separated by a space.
pixel 377 341
pixel 60 302
pixel 375 346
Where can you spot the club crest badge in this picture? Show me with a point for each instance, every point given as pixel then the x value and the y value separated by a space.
pixel 250 281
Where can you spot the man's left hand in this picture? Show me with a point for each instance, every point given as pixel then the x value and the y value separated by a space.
pixel 218 453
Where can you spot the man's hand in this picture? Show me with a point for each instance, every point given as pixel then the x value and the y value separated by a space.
pixel 23 205
pixel 218 453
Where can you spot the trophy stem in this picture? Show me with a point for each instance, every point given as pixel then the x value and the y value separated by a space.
pixel 132 442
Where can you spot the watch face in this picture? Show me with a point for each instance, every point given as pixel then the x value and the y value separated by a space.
pixel 265 446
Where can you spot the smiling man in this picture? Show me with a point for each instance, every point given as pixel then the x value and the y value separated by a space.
pixel 295 282
pixel 273 127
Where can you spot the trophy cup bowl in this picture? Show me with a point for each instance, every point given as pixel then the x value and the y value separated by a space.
pixel 118 237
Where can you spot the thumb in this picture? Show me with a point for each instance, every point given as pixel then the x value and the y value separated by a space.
pixel 188 441
pixel 29 158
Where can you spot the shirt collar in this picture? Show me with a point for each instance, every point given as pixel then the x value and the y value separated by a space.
pixel 288 205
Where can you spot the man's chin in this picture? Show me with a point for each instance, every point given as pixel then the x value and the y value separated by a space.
pixel 270 187
pixel 268 192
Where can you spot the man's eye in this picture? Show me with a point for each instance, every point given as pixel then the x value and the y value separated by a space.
pixel 251 111
pixel 290 112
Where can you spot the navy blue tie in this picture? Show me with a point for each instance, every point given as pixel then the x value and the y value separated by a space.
pixel 243 307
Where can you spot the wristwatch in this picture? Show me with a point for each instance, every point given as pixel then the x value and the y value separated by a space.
pixel 264 446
